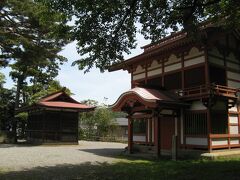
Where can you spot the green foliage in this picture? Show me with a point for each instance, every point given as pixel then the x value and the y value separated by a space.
pixel 32 33
pixel 2 80
pixel 22 116
pixel 21 124
pixel 126 168
pixel 90 102
pixel 105 121
pixel 31 37
pixel 106 30
pixel 37 91
pixel 99 123
pixel 88 125
pixel 7 98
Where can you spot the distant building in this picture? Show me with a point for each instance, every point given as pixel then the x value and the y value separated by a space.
pixel 122 129
pixel 54 119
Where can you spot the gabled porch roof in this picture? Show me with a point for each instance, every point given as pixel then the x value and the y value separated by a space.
pixel 151 98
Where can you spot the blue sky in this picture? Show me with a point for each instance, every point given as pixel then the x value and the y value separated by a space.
pixel 94 84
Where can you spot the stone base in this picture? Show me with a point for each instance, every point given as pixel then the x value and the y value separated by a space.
pixel 221 154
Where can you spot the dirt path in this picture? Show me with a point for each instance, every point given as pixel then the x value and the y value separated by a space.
pixel 19 158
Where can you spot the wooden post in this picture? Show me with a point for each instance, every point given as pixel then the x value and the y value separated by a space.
pixel 156 135
pixel 174 147
pixel 209 129
pixel 150 131
pixel 207 80
pixel 130 135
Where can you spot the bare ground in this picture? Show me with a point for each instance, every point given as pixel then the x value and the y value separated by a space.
pixel 23 157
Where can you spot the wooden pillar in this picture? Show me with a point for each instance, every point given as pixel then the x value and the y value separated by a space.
pixel 147 129
pixel 182 70
pixel 207 79
pixel 130 135
pixel 150 131
pixel 209 128
pixel 163 72
pixel 156 135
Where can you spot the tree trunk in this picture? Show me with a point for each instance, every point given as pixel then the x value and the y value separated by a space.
pixel 17 102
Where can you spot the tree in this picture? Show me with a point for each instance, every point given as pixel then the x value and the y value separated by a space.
pixel 105 30
pixel 30 28
pixel 2 80
pixel 31 37
pixel 105 121
pixel 35 92
pixel 98 123
pixel 6 105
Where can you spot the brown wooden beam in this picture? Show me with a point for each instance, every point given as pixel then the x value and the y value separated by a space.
pixel 209 129
pixel 156 135
pixel 150 130
pixel 147 130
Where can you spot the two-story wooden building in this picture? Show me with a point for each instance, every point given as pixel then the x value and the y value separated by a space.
pixel 186 88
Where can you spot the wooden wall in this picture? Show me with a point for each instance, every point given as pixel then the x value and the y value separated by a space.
pixel 166 66
pixel 53 126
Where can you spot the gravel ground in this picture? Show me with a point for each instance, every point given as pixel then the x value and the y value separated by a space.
pixel 20 157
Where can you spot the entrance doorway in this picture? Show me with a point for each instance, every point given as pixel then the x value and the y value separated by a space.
pixel 167 130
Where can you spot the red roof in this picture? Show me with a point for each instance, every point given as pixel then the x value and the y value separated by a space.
pixel 149 97
pixel 59 100
pixel 61 104
pixel 51 96
pixel 154 50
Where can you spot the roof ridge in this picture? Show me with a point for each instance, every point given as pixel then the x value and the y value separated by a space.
pixel 51 94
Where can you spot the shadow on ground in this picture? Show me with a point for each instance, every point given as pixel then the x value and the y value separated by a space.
pixel 106 152
pixel 133 169
pixel 18 145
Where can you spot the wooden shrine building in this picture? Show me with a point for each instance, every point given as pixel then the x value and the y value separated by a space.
pixel 54 119
pixel 184 89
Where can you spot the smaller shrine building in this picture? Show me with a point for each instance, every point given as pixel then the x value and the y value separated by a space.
pixel 54 119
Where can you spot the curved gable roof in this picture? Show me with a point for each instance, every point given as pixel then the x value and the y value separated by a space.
pixel 148 97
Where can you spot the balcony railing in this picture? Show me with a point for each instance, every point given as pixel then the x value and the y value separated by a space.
pixel 206 90
pixel 219 141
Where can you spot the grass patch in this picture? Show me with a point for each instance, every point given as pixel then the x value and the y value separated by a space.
pixel 136 169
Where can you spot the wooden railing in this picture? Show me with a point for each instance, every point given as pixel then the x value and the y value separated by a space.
pixel 219 141
pixel 204 90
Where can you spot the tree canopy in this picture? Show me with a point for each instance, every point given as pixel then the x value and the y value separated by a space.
pixel 98 123
pixel 30 29
pixel 43 90
pixel 31 37
pixel 106 30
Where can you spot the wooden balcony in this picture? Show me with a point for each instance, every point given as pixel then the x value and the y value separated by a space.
pixel 205 91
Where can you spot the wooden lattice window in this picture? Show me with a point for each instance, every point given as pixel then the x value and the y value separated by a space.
pixel 195 123
pixel 139 126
